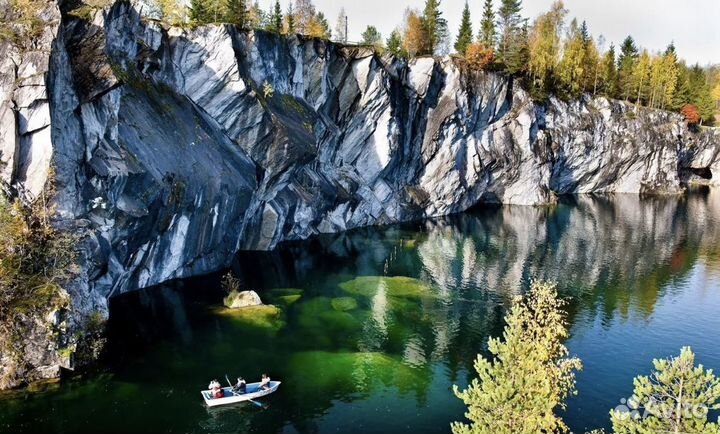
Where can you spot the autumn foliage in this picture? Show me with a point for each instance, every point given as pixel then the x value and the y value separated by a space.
pixel 415 39
pixel 691 113
pixel 478 56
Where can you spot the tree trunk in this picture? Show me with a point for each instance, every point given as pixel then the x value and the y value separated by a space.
pixel 678 409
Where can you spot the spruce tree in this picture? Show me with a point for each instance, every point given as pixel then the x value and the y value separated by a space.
pixel 488 34
pixel 236 13
pixel 517 56
pixel 434 24
pixel 199 12
pixel 626 65
pixel 465 35
pixel 674 399
pixel 585 33
pixel 510 26
pixel 530 374
pixel 609 77
pixel 290 20
pixel 275 21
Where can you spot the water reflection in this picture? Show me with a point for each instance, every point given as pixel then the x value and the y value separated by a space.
pixel 387 319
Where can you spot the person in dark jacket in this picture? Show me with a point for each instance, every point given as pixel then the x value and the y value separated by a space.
pixel 240 386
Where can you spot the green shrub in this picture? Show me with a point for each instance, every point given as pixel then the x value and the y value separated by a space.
pixel 35 261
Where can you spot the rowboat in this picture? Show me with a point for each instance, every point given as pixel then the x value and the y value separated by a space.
pixel 253 391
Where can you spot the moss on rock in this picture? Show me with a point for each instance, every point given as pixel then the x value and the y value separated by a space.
pixel 344 304
pixel 397 286
pixel 265 316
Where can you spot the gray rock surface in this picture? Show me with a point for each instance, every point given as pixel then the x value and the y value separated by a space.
pixel 237 300
pixel 174 148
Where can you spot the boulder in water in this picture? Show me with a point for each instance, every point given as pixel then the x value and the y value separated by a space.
pixel 237 300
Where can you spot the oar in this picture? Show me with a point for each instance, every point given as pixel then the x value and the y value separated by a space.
pixel 237 394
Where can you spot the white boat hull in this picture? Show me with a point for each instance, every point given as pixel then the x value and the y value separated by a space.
pixel 253 391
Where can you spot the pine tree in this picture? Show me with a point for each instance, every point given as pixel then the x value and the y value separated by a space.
pixel 488 34
pixel 199 12
pixel 675 398
pixel 371 36
pixel 530 374
pixel 394 45
pixel 465 35
pixel 236 13
pixel 510 26
pixel 626 65
pixel 434 24
pixel 275 21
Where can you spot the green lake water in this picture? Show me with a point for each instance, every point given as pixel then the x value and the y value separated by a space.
pixel 376 325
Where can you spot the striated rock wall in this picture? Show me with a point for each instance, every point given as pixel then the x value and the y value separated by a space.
pixel 174 148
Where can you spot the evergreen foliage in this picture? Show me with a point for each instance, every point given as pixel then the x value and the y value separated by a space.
pixel 236 13
pixel 435 26
pixel 488 33
pixel 371 36
pixel 394 45
pixel 465 34
pixel 675 398
pixel 530 375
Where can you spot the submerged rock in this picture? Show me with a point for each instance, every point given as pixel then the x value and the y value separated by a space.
pixel 396 286
pixel 266 317
pixel 344 304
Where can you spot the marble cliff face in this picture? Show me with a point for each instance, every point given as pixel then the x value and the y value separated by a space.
pixel 171 149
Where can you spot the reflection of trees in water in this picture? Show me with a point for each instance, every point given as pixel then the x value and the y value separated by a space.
pixel 615 255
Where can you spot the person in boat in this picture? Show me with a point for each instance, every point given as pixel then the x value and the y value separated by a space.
pixel 215 389
pixel 240 386
pixel 265 382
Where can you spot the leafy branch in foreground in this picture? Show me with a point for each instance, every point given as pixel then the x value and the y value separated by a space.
pixel 530 375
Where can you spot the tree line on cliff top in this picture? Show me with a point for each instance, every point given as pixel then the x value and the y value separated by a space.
pixel 551 55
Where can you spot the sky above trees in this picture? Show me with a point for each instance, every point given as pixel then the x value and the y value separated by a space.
pixel 653 23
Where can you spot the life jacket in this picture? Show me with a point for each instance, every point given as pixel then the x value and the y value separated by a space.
pixel 218 393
